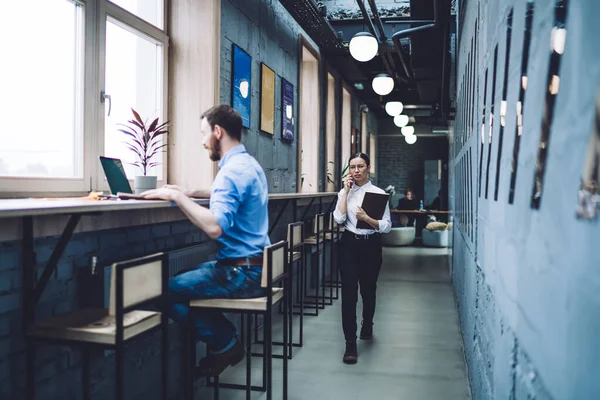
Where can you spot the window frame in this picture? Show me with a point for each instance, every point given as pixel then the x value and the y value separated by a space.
pixel 95 13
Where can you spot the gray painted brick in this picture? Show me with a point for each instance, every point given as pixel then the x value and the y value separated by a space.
pixel 158 231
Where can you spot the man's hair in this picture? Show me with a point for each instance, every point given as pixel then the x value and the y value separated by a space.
pixel 407 190
pixel 227 118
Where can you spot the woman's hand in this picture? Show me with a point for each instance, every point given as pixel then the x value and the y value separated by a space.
pixel 348 184
pixel 361 215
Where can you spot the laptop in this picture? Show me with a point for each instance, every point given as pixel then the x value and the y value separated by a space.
pixel 117 179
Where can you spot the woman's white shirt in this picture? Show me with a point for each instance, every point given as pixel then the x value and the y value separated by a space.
pixel 355 199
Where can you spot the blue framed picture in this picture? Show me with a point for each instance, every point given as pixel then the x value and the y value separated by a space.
pixel 287 110
pixel 241 84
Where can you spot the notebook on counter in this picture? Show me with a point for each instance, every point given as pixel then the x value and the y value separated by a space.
pixel 374 205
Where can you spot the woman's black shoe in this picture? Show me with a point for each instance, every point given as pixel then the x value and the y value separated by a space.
pixel 351 354
pixel 366 331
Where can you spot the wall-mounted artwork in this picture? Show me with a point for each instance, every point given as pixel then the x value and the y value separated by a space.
pixel 267 99
pixel 287 110
pixel 589 193
pixel 241 84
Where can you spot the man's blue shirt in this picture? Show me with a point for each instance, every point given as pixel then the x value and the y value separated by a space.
pixel 239 201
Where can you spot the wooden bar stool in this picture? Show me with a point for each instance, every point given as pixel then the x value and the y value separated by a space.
pixel 134 284
pixel 275 272
pixel 316 241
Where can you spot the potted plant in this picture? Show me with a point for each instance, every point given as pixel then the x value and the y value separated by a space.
pixel 344 172
pixel 145 141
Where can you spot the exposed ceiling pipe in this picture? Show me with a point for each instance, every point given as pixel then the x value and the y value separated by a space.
pixel 375 13
pixel 386 64
pixel 437 20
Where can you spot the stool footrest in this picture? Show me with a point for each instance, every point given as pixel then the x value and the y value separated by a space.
pixel 238 386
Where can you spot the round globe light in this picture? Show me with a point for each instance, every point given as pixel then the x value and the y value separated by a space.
pixel 412 139
pixel 401 120
pixel 363 47
pixel 383 84
pixel 408 130
pixel 394 108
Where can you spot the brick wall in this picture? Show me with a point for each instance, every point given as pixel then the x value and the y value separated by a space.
pixel 270 35
pixel 402 164
pixel 527 280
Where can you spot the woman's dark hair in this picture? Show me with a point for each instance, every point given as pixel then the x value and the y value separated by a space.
pixel 360 155
pixel 227 118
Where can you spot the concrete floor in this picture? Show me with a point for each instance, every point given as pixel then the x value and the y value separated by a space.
pixel 416 352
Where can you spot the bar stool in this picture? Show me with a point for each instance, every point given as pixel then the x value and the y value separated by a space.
pixel 316 240
pixel 274 272
pixel 295 257
pixel 134 284
pixel 332 234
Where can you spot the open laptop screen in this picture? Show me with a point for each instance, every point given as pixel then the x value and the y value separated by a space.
pixel 115 175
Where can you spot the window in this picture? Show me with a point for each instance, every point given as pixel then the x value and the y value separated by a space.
pixel 133 68
pixel 503 105
pixel 69 52
pixel 43 130
pixel 558 36
pixel 330 128
pixel 149 10
pixel 309 121
pixel 521 101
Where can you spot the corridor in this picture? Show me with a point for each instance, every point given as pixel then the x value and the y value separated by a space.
pixel 416 352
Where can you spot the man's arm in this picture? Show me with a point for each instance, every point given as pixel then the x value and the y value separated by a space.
pixel 200 216
pixel 195 193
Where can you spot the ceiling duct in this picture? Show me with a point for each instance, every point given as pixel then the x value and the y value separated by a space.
pixel 379 36
pixel 396 37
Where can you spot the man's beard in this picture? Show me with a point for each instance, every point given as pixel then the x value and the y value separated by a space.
pixel 215 152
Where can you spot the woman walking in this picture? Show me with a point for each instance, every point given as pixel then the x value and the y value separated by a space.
pixel 360 256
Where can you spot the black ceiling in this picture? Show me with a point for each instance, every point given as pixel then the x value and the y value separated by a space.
pixel 424 81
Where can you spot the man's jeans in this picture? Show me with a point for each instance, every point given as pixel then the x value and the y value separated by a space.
pixel 213 280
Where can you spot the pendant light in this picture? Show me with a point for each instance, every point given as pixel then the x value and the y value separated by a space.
pixel 394 108
pixel 383 84
pixel 401 120
pixel 363 47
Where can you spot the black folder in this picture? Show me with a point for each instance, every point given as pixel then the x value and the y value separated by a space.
pixel 374 205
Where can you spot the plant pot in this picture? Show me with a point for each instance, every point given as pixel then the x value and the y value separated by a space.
pixel 143 183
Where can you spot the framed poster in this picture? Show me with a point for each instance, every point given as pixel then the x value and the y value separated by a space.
pixel 267 99
pixel 287 110
pixel 241 81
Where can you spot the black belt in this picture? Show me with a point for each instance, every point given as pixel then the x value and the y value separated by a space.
pixel 242 262
pixel 365 236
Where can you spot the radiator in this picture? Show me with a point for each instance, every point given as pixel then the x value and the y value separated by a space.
pixel 177 261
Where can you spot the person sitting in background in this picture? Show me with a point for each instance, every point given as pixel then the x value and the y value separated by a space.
pixel 436 204
pixel 408 203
